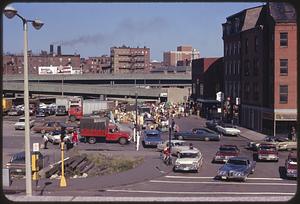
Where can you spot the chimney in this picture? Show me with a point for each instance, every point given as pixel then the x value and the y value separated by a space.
pixel 58 50
pixel 51 49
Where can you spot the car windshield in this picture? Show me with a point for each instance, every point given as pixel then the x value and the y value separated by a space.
pixel 268 148
pixel 22 120
pixel 228 149
pixel 293 160
pixel 237 162
pixel 153 135
pixel 179 144
pixel 188 155
pixel 61 107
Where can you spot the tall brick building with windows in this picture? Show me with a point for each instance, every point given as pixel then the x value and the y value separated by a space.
pixel 127 60
pixel 260 62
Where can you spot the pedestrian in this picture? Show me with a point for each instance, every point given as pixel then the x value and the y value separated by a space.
pixel 75 137
pixel 45 138
pixel 292 135
pixel 173 124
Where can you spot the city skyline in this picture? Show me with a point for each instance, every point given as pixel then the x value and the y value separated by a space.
pixel 154 25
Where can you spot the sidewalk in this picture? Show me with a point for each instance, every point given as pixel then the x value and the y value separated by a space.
pixel 246 133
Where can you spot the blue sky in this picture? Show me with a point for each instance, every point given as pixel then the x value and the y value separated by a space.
pixel 90 29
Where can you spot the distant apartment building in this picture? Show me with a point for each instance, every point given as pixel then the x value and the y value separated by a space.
pixel 13 63
pixel 207 78
pixel 101 64
pixel 128 60
pixel 260 66
pixel 182 57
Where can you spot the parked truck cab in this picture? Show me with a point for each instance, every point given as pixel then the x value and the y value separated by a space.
pixel 95 128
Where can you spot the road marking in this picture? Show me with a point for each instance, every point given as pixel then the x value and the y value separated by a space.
pixel 201 193
pixel 222 183
pixel 203 177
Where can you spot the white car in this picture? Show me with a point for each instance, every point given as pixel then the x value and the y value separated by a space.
pixel 228 130
pixel 188 160
pixel 20 125
pixel 176 146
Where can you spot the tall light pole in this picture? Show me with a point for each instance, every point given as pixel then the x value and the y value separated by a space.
pixel 10 12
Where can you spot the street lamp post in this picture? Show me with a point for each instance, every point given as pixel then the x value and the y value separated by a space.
pixel 10 12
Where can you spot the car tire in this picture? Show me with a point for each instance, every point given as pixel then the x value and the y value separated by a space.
pixel 244 179
pixel 180 137
pixel 91 140
pixel 122 141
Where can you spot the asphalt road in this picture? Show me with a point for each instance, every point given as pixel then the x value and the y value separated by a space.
pixel 267 179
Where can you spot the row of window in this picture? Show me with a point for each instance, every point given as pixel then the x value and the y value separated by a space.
pixel 232 68
pixel 232 48
pixel 232 89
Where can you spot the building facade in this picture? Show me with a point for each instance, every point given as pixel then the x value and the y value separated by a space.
pixel 182 57
pixel 13 64
pixel 267 71
pixel 101 64
pixel 127 60
pixel 207 78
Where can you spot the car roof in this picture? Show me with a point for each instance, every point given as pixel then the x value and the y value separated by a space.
pixel 267 144
pixel 239 158
pixel 228 145
pixel 194 151
pixel 151 132
pixel 176 141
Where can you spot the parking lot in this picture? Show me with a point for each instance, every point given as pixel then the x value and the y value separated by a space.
pixel 267 178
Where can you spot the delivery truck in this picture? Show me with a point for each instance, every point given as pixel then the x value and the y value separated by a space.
pixel 77 107
pixel 95 129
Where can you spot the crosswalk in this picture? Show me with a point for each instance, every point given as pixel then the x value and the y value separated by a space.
pixel 182 185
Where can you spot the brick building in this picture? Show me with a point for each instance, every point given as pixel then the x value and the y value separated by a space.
pixel 100 64
pixel 266 72
pixel 207 78
pixel 126 59
pixel 13 64
pixel 182 57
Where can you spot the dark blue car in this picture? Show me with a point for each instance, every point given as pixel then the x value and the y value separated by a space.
pixel 151 138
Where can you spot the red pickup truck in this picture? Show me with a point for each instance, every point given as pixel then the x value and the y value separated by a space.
pixel 95 129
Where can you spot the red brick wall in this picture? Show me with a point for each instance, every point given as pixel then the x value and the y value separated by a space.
pixel 289 53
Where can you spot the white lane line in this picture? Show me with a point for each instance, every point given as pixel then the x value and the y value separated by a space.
pixel 201 193
pixel 203 177
pixel 222 183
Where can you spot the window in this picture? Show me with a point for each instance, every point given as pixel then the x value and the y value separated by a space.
pixel 283 92
pixel 255 67
pixel 246 46
pixel 283 67
pixel 246 70
pixel 239 47
pixel 255 91
pixel 284 39
pixel 238 67
pixel 256 43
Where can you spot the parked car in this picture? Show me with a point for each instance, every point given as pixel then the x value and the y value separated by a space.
pixel 226 152
pixel 267 152
pixel 151 138
pixel 176 146
pixel 16 164
pixel 49 127
pixel 15 112
pixel 197 134
pixel 188 160
pixel 227 129
pixel 20 125
pixel 291 166
pixel 54 137
pixel 236 168
pixel 61 110
pixel 42 112
pixel 211 124
pixel 282 143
